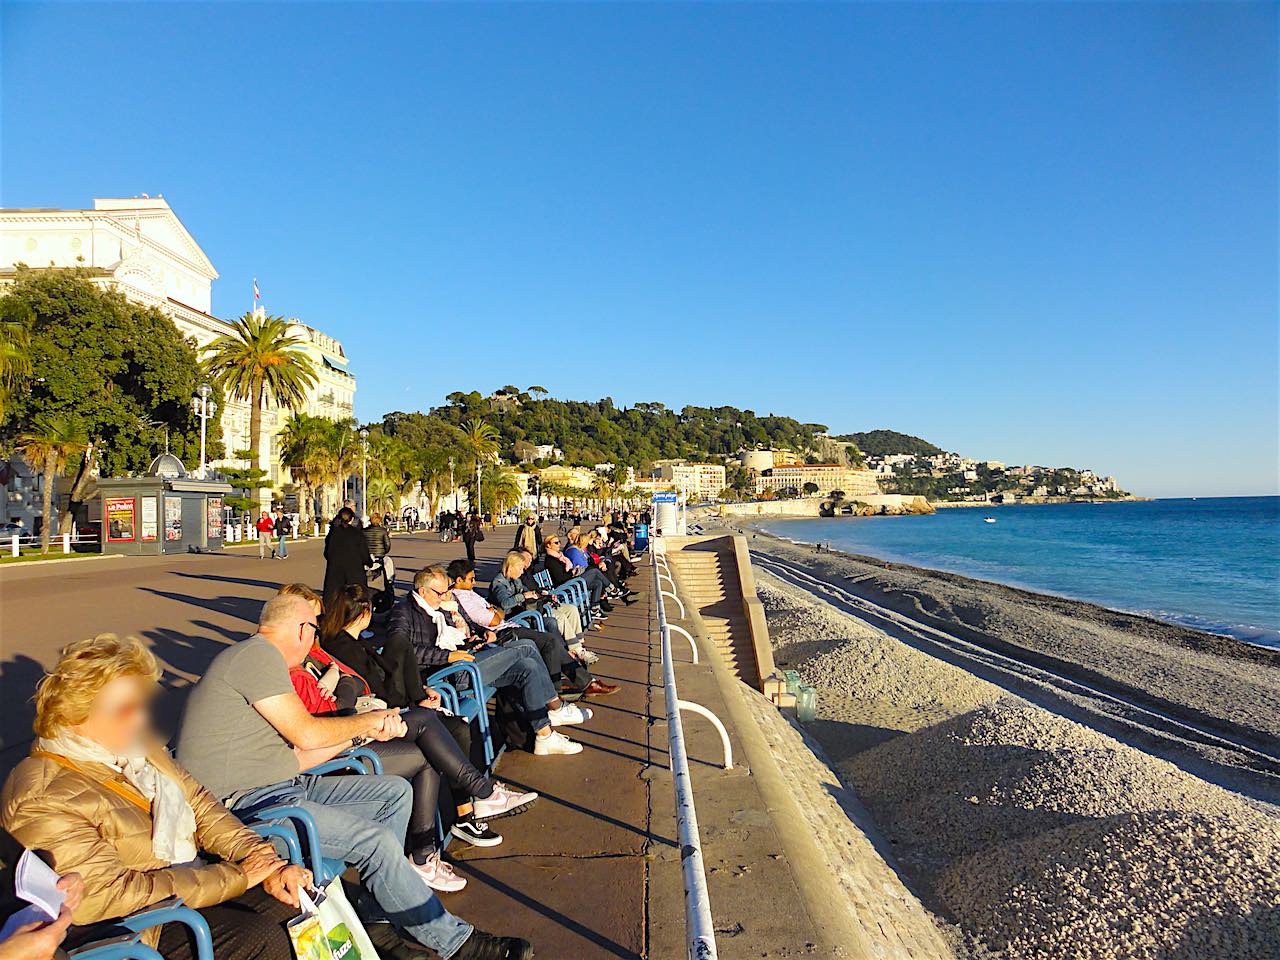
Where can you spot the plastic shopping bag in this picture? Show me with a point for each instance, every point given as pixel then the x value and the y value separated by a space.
pixel 342 933
pixel 306 934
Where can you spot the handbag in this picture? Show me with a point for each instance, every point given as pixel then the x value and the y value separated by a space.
pixel 328 928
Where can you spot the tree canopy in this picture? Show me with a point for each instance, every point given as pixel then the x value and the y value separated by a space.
pixel 883 443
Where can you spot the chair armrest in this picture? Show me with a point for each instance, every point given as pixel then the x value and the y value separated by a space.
pixel 284 832
pixel 300 818
pixel 173 911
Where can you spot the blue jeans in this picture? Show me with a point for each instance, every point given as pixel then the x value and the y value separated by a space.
pixel 518 664
pixel 362 821
pixel 281 550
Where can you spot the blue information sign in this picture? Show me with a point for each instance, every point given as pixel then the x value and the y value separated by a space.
pixel 664 498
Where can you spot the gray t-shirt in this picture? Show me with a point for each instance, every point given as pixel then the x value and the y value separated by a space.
pixel 222 740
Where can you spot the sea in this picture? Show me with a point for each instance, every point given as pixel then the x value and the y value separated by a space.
pixel 1208 563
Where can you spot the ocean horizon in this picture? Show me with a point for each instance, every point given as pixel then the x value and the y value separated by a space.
pixel 1210 563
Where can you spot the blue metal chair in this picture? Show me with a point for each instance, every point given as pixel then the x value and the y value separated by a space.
pixel 470 702
pixel 130 946
pixel 295 828
pixel 542 578
pixel 529 618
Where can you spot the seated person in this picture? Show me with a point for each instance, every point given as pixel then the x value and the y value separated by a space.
pixel 389 666
pixel 440 636
pixel 247 737
pixel 329 687
pixel 34 939
pixel 564 668
pixel 592 546
pixel 101 795
pixel 562 570
pixel 515 588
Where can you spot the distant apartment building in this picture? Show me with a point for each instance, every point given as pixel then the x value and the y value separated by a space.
pixel 698 481
pixel 578 478
pixel 825 476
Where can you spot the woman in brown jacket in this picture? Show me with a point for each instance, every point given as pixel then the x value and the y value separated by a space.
pixel 101 797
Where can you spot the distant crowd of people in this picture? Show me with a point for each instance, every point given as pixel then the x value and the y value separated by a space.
pixel 128 825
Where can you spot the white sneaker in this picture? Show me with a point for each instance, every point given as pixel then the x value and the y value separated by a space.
pixel 589 658
pixel 555 743
pixel 503 802
pixel 568 715
pixel 438 875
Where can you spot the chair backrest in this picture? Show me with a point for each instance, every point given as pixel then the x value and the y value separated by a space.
pixel 529 618
pixel 543 579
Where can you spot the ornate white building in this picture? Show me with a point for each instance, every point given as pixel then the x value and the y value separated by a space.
pixel 141 247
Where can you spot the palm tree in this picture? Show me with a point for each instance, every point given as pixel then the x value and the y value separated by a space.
pixel 15 348
pixel 53 440
pixel 302 446
pixel 502 487
pixel 383 495
pixel 340 452
pixel 481 440
pixel 257 363
pixel 601 489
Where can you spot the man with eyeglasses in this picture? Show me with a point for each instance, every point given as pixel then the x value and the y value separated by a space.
pixel 247 737
pixel 429 620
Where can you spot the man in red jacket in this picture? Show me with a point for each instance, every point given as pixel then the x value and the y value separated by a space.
pixel 266 534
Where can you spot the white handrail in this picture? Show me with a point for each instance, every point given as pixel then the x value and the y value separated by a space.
pixel 699 928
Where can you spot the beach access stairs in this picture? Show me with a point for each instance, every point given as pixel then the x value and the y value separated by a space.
pixel 717 584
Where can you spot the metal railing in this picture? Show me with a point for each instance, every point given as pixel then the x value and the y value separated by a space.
pixel 699 929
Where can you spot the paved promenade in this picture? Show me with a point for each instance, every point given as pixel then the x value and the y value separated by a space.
pixel 571 874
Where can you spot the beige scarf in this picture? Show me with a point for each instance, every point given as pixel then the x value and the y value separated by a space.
pixel 173 822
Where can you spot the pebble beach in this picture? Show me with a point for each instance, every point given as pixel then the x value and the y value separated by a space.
pixel 1030 835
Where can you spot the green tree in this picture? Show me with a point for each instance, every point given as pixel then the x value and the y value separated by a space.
pixel 15 349
pixel 302 450
pixel 53 440
pixel 482 441
pixel 121 369
pixel 810 488
pixel 257 363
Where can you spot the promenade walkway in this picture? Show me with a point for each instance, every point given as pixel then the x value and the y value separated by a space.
pixel 570 874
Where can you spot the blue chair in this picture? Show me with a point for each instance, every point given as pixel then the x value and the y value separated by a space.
pixel 469 701
pixel 295 828
pixel 529 618
pixel 130 946
pixel 542 578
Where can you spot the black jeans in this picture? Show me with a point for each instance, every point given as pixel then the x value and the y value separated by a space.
pixel 561 664
pixel 422 756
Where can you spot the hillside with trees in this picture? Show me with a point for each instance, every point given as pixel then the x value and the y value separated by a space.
pixel 598 431
pixel 885 443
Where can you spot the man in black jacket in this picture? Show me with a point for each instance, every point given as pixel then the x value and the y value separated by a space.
pixel 441 636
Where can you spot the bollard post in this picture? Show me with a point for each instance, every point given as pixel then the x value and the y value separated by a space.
pixel 66 543
pixel 14 551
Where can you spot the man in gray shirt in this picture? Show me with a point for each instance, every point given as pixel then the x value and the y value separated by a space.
pixel 247 737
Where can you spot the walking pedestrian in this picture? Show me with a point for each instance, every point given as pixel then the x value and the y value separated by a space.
pixel 284 527
pixel 471 534
pixel 266 531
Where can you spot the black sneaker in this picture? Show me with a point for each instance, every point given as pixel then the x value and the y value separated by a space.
pixel 476 833
pixel 485 946
pixel 605 605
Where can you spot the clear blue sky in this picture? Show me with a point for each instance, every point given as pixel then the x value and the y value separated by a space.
pixel 1035 233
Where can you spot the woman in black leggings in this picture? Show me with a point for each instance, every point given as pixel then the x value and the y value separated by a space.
pixel 425 755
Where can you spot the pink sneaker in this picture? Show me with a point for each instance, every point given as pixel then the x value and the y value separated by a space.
pixel 438 875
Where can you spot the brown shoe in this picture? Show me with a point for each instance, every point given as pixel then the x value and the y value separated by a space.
pixel 598 688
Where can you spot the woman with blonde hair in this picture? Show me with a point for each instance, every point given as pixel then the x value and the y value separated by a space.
pixel 102 797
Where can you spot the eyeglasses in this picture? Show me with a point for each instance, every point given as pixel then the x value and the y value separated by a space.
pixel 315 627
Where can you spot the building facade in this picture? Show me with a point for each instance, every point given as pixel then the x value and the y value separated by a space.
pixel 825 476
pixel 139 246
pixel 698 481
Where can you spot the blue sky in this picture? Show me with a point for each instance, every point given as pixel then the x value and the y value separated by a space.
pixel 1030 232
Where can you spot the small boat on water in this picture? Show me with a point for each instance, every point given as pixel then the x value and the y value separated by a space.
pixel 988 519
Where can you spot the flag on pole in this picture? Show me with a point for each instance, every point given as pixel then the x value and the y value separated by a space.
pixel 257 294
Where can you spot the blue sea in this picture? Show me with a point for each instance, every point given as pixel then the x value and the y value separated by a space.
pixel 1212 564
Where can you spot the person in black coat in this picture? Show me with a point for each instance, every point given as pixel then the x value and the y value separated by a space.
pixel 346 554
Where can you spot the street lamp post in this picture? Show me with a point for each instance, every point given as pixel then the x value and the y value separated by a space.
pixel 453 486
pixel 364 474
pixel 204 408
pixel 479 501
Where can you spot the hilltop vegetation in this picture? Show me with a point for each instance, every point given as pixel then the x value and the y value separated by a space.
pixel 885 443
pixel 598 431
